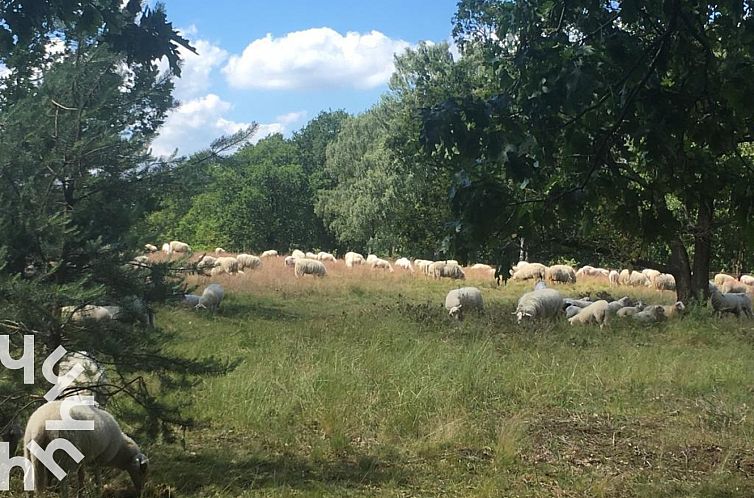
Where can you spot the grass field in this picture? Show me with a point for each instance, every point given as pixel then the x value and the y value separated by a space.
pixel 359 385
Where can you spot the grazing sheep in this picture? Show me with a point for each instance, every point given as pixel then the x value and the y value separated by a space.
pixel 404 264
pixel 229 264
pixel 459 300
pixel 381 264
pixel 270 253
pixel 613 277
pixel 530 271
pixel 747 280
pixel 733 286
pixel 481 266
pixel 180 247
pixel 353 258
pixel 542 303
pixel 649 314
pixel 89 312
pixel 423 265
pixel 597 312
pixel 305 266
pixel 735 303
pixel 89 382
pixel 310 255
pixel 220 250
pixel 290 260
pixel 104 446
pixel 590 271
pixel 211 297
pixel 248 261
pixel 190 300
pixel 298 254
pixel 217 271
pixel 624 277
pixel 720 278
pixel 370 258
pixel 150 248
pixel 440 269
pixel 166 248
pixel 638 279
pixel 563 274
pixel 205 264
pixel 451 262
pixel 572 310
pixel 651 276
pixel 614 306
pixel 664 281
pixel 325 256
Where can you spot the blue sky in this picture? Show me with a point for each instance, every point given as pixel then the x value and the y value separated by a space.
pixel 279 63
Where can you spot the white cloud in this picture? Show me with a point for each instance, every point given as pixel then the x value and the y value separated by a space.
pixel 291 117
pixel 315 58
pixel 196 69
pixel 197 122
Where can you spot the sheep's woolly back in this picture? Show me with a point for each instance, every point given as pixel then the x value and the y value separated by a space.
pixel 735 303
pixel 305 266
pixel 637 279
pixel 178 246
pixel 441 269
pixel 560 273
pixel 597 312
pixel 404 263
pixel 298 254
pixel 613 277
pixel 531 270
pixel 541 303
pixel 228 263
pixel 353 258
pixel 624 277
pixel 468 297
pixel 211 297
pixel 721 278
pixel 270 253
pixel 733 286
pixel 381 264
pixel 248 261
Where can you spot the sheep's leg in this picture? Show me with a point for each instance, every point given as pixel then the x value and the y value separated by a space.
pixel 98 480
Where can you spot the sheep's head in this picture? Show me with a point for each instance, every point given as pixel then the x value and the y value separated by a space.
pixel 138 469
pixel 521 315
pixel 456 312
pixel 680 307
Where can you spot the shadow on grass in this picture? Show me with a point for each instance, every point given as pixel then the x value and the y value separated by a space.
pixel 199 472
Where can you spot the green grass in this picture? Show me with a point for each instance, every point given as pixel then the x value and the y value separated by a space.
pixel 361 386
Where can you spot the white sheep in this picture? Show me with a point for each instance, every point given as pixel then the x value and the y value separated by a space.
pixel 180 247
pixel 190 300
pixel 747 280
pixel 542 303
pixel 353 258
pixel 298 254
pixel 638 279
pixel 624 277
pixel 89 312
pixel 228 263
pixel 311 255
pixel 561 274
pixel 150 247
pixel 614 306
pixel 529 271
pixel 597 312
pixel 441 269
pixel 651 276
pixel 90 382
pixel 572 310
pixel 481 266
pixel 733 286
pixel 423 265
pixel 381 264
pixel 670 310
pixel 104 446
pixel 205 264
pixel 211 298
pixel 404 264
pixel 370 258
pixel 720 278
pixel 220 250
pixel 735 303
pixel 166 248
pixel 466 298
pixel 613 277
pixel 650 315
pixel 664 281
pixel 270 253
pixel 248 261
pixel 629 310
pixel 326 256
pixel 590 271
pixel 289 260
pixel 305 266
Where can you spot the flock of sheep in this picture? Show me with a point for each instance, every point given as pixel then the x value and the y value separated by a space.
pixel 109 446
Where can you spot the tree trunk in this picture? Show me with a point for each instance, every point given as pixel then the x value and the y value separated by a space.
pixel 702 249
pixel 681 269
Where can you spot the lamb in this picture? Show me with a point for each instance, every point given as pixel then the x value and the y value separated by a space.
pixel 404 264
pixel 305 266
pixel 530 271
pixel 298 254
pixel 211 297
pixel 180 247
pixel 560 273
pixel 289 260
pixel 325 256
pixel 664 281
pixel 220 250
pixel 732 286
pixel 381 264
pixel 613 277
pixel 720 278
pixel 270 253
pixel 596 312
pixel 228 263
pixel 638 279
pixel 440 269
pixel 747 280
pixel 150 248
pixel 650 315
pixel 89 382
pixel 735 303
pixel 104 446
pixel 459 300
pixel 542 303
pixel 248 261
pixel 353 258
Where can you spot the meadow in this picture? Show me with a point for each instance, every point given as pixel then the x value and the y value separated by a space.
pixel 358 384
